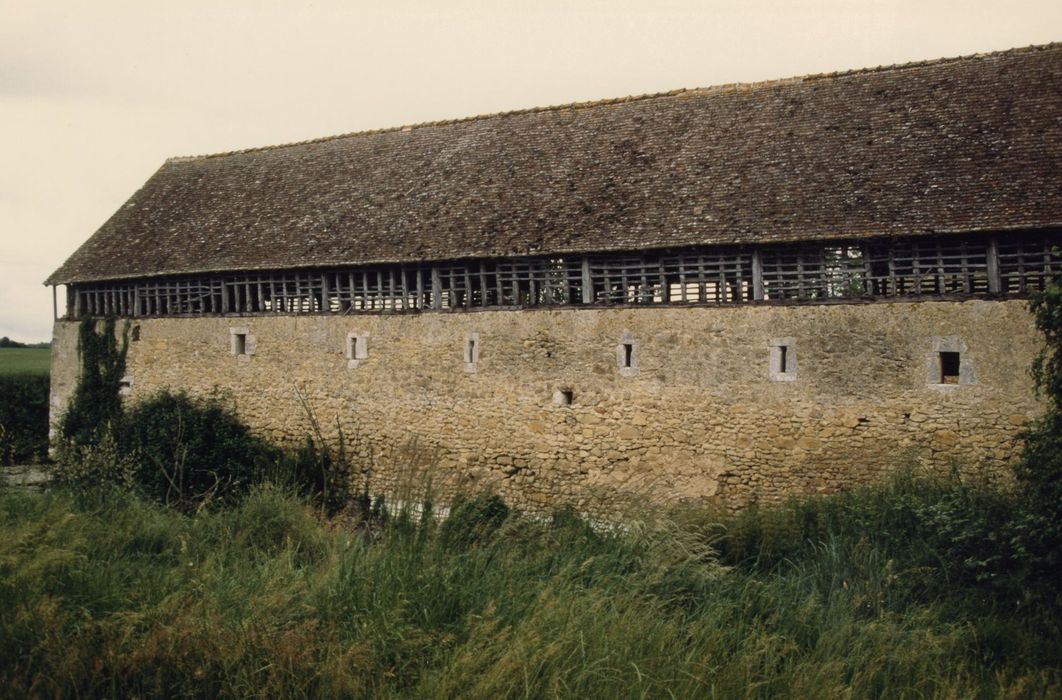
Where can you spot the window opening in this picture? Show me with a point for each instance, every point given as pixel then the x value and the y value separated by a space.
pixel 563 397
pixel 626 362
pixel 241 343
pixel 136 333
pixel 949 368
pixel 357 348
pixel 783 360
pixel 471 352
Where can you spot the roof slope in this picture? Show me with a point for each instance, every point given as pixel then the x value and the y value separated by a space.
pixel 961 144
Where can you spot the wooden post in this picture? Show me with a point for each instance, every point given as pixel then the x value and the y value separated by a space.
pixel 995 285
pixel 588 282
pixel 757 276
pixel 940 269
pixel 436 288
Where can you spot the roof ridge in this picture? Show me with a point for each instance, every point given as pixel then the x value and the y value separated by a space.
pixel 589 104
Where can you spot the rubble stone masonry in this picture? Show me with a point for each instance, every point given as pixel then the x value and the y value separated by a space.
pixel 698 407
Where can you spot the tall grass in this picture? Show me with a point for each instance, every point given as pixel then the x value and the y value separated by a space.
pixel 105 594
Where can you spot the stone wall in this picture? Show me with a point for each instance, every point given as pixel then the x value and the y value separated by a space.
pixel 702 413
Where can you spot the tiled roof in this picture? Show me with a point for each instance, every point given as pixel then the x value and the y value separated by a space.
pixel 962 144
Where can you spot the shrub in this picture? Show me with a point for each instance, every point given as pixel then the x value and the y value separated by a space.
pixel 23 418
pixel 90 467
pixel 190 451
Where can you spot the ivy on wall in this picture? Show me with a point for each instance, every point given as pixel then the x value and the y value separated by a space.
pixel 96 403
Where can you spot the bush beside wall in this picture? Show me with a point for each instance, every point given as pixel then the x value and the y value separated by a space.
pixel 23 418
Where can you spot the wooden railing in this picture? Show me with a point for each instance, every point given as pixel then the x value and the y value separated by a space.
pixel 941 266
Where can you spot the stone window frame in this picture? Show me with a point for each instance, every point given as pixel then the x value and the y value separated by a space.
pixel 627 366
pixel 249 343
pixel 780 349
pixel 357 348
pixel 949 343
pixel 471 352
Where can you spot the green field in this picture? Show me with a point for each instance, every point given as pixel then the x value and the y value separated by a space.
pixel 24 360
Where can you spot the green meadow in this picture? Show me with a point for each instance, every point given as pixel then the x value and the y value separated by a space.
pixel 24 360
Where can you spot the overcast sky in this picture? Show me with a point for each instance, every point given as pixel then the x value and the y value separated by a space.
pixel 94 96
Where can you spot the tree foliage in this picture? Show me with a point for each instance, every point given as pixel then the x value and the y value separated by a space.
pixel 1047 368
pixel 1038 528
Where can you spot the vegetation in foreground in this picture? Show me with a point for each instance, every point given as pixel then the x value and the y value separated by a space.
pixel 869 593
pixel 23 402
pixel 23 417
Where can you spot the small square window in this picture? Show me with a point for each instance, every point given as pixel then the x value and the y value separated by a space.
pixel 949 367
pixel 948 364
pixel 563 397
pixel 241 343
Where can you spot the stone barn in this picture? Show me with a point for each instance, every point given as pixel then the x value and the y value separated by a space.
pixel 728 294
